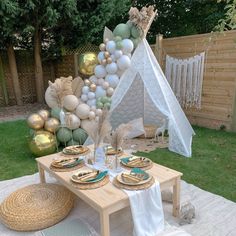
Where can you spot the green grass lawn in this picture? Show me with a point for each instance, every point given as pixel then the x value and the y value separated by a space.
pixel 212 166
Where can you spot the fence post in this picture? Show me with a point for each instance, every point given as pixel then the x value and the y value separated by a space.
pixel 76 64
pixel 159 49
pixel 234 112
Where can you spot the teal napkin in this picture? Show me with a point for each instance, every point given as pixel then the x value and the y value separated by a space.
pixel 125 160
pixel 77 162
pixel 101 175
pixel 140 172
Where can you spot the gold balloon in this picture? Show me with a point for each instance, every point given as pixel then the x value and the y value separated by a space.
pixel 106 54
pixel 87 82
pixel 102 47
pixel 87 62
pixel 43 143
pixel 51 125
pixel 104 62
pixel 109 60
pixel 35 121
pixel 44 114
pixel 93 87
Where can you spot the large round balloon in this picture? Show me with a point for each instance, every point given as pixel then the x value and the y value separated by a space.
pixel 127 46
pixel 111 68
pixel 80 135
pixel 55 112
pixel 100 92
pixel 72 121
pixel 44 114
pixel 123 62
pixel 87 63
pixel 43 143
pixel 35 121
pixel 122 30
pixel 52 125
pixel 72 143
pixel 82 111
pixel 64 135
pixel 70 102
pixel 111 46
pixel 100 71
pixel 136 32
pixel 113 80
pixel 50 100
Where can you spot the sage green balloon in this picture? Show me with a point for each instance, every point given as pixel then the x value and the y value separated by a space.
pixel 107 105
pixel 130 24
pixel 135 32
pixel 80 136
pixel 119 45
pixel 117 38
pixel 55 112
pixel 135 41
pixel 64 135
pixel 72 142
pixel 122 30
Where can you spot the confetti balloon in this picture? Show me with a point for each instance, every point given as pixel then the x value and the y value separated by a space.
pixel 52 125
pixel 87 63
pixel 35 121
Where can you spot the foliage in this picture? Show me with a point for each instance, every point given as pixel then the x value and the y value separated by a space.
pixel 212 166
pixel 228 22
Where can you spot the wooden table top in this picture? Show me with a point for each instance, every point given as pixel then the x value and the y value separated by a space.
pixel 108 195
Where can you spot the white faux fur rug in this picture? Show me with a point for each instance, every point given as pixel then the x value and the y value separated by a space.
pixel 215 215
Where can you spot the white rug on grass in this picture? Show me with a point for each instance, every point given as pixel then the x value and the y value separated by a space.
pixel 215 215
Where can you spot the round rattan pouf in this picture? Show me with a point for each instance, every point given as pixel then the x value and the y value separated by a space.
pixel 36 207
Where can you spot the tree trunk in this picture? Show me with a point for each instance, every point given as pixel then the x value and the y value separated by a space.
pixel 3 83
pixel 38 66
pixel 14 74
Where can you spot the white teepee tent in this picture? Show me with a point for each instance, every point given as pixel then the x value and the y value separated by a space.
pixel 143 91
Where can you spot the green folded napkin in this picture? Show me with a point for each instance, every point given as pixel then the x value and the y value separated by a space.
pixel 75 163
pixel 125 160
pixel 101 175
pixel 138 171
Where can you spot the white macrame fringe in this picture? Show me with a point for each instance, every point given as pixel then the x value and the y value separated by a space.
pixel 185 77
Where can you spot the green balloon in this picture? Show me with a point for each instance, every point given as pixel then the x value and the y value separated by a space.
pixel 130 24
pixel 107 105
pixel 72 142
pixel 80 136
pixel 119 45
pixel 64 135
pixel 135 41
pixel 117 38
pixel 99 105
pixel 55 112
pixel 135 32
pixel 104 99
pixel 122 30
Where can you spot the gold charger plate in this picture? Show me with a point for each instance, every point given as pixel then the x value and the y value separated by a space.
pixel 62 163
pixel 120 180
pixel 146 162
pixel 78 181
pixel 75 150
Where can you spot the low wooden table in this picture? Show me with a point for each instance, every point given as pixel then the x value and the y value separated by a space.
pixel 109 199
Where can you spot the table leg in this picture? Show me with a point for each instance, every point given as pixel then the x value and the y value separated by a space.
pixel 176 197
pixel 105 225
pixel 41 174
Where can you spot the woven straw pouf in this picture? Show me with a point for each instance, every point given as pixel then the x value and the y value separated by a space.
pixel 36 207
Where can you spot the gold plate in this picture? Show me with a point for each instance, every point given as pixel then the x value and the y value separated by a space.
pixel 119 179
pixel 83 182
pixel 63 162
pixel 75 150
pixel 145 163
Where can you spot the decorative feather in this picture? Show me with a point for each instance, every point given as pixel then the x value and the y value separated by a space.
pixel 60 88
pixel 117 137
pixel 77 85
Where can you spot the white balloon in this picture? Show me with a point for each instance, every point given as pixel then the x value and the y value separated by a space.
pixel 128 54
pixel 72 121
pixel 111 68
pixel 100 81
pixel 118 54
pixel 91 102
pixel 70 102
pixel 113 57
pixel 111 46
pixel 123 62
pixel 92 115
pixel 97 118
pixel 100 71
pixel 120 72
pixel 82 111
pixel 105 85
pixel 93 79
pixel 85 90
pixel 100 92
pixel 110 91
pixel 101 56
pixel 50 100
pixel 113 80
pixel 93 108
pixel 99 112
pixel 84 97
pixel 91 95
pixel 128 46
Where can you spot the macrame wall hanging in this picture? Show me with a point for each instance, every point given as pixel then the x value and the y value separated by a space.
pixel 185 77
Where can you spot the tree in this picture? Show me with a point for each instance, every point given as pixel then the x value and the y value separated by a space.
pixel 9 12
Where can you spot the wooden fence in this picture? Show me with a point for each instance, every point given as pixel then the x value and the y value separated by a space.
pixel 218 109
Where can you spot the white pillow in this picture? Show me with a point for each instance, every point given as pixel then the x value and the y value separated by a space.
pixel 137 128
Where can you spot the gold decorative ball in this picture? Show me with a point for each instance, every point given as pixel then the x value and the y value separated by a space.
pixel 35 121
pixel 109 60
pixel 43 143
pixel 93 87
pixel 102 47
pixel 87 82
pixel 51 125
pixel 87 63
pixel 106 54
pixel 44 114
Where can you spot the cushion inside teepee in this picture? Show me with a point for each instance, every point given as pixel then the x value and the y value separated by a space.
pixel 36 206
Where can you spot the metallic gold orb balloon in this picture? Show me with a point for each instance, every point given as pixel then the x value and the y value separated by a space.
pixel 106 54
pixel 43 143
pixel 93 87
pixel 44 114
pixel 87 63
pixel 35 121
pixel 51 125
pixel 102 47
pixel 109 60
pixel 87 82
